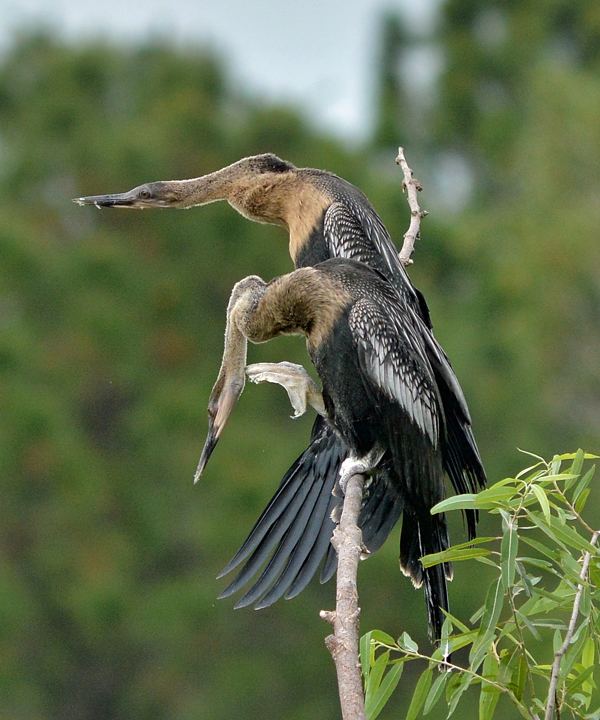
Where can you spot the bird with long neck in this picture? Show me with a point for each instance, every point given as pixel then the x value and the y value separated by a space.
pixel 379 392
pixel 326 217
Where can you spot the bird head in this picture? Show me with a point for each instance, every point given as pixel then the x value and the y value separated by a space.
pixel 150 195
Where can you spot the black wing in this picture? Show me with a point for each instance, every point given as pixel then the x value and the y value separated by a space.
pixel 401 383
pixel 353 230
pixel 293 533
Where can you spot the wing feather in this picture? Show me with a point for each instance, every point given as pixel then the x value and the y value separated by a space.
pixel 394 360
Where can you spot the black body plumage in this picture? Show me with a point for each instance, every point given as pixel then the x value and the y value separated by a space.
pixel 380 399
pixel 350 228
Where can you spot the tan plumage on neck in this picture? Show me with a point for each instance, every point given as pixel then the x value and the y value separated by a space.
pixel 262 188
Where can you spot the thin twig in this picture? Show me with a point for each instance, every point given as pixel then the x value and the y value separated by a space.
pixel 343 644
pixel 412 187
pixel 558 655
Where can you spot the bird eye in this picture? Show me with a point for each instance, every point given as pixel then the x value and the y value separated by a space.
pixel 145 194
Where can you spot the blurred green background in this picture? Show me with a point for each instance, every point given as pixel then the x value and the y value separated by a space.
pixel 111 330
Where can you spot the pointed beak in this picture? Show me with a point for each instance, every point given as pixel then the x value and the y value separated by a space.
pixel 220 406
pixel 127 200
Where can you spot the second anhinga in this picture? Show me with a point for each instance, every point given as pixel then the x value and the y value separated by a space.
pixel 379 393
pixel 326 217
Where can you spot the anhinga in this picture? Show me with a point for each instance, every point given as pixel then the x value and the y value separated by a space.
pixel 379 391
pixel 326 217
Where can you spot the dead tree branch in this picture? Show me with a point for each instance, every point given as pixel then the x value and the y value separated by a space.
pixel 344 643
pixel 558 655
pixel 412 187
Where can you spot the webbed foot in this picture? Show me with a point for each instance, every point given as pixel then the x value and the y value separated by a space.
pixel 299 385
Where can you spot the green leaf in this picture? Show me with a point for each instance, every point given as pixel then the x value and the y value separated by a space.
pixel 375 675
pixel 489 694
pixel 436 692
pixel 529 625
pixel 377 702
pixel 577 462
pixel 493 608
pixel 382 638
pixel 557 641
pixel 589 652
pixel 583 483
pixel 494 495
pixel 367 654
pixel 458 691
pixel 458 623
pixel 453 555
pixel 540 547
pixel 571 567
pixel 508 555
pixel 585 607
pixel 405 642
pixel 420 694
pixel 571 456
pixel 456 502
pixel 519 676
pixel 581 500
pixel 543 501
pixel 580 679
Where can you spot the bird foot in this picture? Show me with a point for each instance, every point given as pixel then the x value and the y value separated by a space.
pixel 358 466
pixel 299 385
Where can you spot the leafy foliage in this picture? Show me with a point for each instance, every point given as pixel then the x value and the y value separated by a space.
pixel 541 612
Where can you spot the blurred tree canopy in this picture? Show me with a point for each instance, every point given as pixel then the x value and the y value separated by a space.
pixel 111 336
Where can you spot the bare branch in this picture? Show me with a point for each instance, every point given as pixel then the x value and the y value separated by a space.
pixel 558 655
pixel 412 186
pixel 343 644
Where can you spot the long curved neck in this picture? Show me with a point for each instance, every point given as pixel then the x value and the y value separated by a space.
pixel 287 199
pixel 305 302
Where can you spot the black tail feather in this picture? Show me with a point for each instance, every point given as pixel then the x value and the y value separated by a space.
pixel 420 536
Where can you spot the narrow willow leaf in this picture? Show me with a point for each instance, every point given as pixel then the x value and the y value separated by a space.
pixel 519 676
pixel 375 676
pixel 453 555
pixel 580 679
pixel 493 608
pixel 583 483
pixel 571 567
pixel 436 692
pixel 458 623
pixel 545 527
pixel 571 537
pixel 581 500
pixel 494 495
pixel 540 547
pixel 589 651
pixel 419 695
pixel 456 502
pixel 405 642
pixel 529 625
pixel 489 694
pixel 577 465
pixel 487 561
pixel 543 501
pixel 557 641
pixel 383 638
pixel 377 702
pixel 585 607
pixel 475 541
pixel 555 467
pixel 508 555
pixel 466 681
pixel 366 655
pixel 571 456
